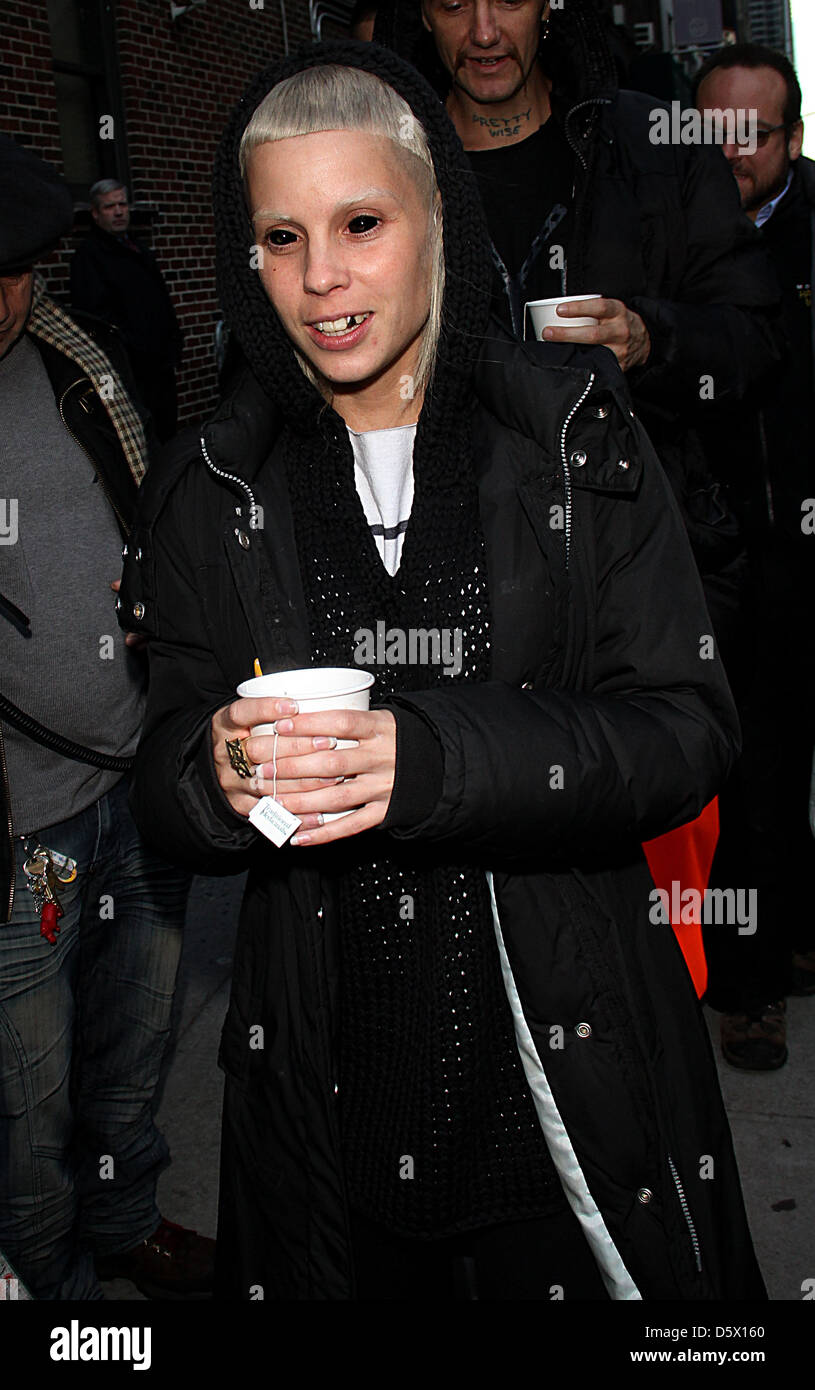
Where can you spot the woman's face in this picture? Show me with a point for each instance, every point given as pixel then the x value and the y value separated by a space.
pixel 346 263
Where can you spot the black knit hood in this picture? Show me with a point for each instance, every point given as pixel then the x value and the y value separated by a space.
pixel 467 267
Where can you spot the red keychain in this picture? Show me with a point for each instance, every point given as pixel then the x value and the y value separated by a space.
pixel 49 918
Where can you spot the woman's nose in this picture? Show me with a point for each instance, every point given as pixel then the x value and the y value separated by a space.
pixel 325 268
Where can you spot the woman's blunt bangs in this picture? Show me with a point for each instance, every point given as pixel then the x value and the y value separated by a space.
pixel 341 98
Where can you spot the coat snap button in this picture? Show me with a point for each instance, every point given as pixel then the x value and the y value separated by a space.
pixel 137 556
pixel 243 539
pixel 623 464
pixel 600 412
pixel 124 551
pixel 118 604
pixel 644 1195
pixel 578 458
pixel 138 611
pixel 583 1030
pixel 527 685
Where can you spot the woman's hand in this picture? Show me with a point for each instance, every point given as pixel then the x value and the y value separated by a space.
pixel 314 777
pixel 313 780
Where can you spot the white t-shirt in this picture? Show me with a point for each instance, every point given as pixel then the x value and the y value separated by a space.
pixel 383 473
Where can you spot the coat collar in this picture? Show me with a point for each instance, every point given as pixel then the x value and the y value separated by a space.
pixel 527 387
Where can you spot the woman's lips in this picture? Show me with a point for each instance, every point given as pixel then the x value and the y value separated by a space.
pixel 336 342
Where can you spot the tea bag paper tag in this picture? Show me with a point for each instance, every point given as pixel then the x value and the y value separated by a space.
pixel 273 820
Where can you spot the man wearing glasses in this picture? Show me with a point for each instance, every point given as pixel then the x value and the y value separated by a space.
pixel 749 77
pixel 768 452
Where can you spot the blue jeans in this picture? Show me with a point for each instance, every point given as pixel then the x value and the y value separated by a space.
pixel 83 1028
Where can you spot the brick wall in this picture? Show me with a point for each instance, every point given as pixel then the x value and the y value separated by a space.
pixel 179 80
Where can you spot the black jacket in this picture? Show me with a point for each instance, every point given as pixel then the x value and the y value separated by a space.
pixel 766 446
pixel 600 673
pixel 87 420
pixel 126 288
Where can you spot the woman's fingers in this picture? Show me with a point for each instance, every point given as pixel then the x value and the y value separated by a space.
pixel 263 748
pixel 302 765
pixel 366 818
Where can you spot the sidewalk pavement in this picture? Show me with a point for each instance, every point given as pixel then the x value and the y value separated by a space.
pixel 772 1114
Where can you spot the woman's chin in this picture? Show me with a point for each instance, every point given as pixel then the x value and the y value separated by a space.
pixel 348 377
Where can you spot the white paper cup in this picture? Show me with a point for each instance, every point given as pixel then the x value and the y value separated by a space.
pixel 543 313
pixel 316 688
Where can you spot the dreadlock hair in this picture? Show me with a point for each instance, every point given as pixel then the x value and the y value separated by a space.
pixel 342 98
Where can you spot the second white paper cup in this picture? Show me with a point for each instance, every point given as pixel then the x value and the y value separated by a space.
pixel 543 313
pixel 314 688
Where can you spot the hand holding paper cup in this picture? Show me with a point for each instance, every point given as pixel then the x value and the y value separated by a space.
pixel 314 689
pixel 543 313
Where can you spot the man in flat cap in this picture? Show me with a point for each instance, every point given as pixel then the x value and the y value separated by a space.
pixel 90 920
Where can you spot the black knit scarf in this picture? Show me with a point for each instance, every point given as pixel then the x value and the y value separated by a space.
pixel 430 1078
pixel 429 1073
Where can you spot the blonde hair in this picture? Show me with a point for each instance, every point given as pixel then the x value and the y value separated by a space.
pixel 340 98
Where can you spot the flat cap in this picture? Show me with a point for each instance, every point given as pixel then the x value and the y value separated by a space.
pixel 36 207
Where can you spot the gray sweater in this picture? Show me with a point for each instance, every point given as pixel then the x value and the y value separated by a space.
pixel 74 673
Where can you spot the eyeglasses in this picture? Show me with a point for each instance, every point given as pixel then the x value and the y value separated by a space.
pixel 759 138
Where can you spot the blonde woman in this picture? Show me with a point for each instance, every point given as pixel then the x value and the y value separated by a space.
pixel 462 1061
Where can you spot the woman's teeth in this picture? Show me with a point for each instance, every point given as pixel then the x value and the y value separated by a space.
pixel 337 326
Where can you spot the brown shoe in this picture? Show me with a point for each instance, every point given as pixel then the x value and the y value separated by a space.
pixel 803 972
pixel 757 1039
pixel 171 1263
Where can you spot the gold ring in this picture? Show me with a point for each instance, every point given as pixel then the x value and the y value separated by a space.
pixel 238 758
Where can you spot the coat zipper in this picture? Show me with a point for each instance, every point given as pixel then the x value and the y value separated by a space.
pixel 232 478
pixel 567 477
pixel 590 101
pixel 96 470
pixel 683 1201
pixel 575 148
pixel 7 795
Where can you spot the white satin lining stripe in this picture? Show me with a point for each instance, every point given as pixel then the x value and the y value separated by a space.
pixel 619 1284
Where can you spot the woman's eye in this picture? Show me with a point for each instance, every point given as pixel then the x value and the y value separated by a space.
pixel 279 236
pixel 365 222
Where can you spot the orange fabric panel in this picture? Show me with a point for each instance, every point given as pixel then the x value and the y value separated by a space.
pixel 685 856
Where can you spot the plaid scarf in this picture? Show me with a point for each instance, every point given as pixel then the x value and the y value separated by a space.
pixel 50 323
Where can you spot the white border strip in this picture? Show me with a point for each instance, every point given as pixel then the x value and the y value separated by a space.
pixel 614 1274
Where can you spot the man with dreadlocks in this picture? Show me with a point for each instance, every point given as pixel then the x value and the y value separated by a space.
pixel 88 968
pixel 579 200
pixel 463 1059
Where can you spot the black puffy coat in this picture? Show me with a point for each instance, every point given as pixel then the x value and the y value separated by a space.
pixel 597 669
pixel 644 730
